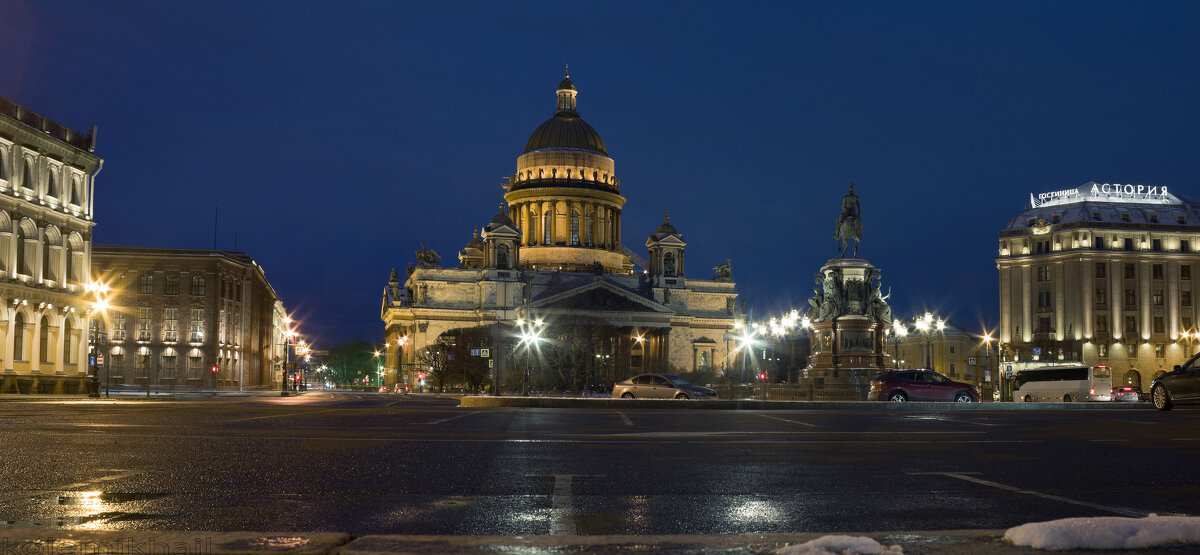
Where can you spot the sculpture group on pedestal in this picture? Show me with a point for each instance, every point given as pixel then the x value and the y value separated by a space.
pixel 836 296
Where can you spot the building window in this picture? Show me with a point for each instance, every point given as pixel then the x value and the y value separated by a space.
pixel 168 364
pixel 1101 323
pixel 196 326
pixel 44 343
pixel 1157 298
pixel 1156 271
pixel 1153 218
pixel 502 257
pixel 143 324
pixel 1128 244
pixel 1100 268
pixel 1130 298
pixel 1095 216
pixel 1101 296
pixel 1130 325
pixel 171 285
pixel 1159 327
pixel 141 362
pixel 669 265
pixel 1099 242
pixel 1156 245
pixel 1130 272
pixel 170 324
pixel 574 239
pixel 1045 299
pixel 198 286
pixel 118 331
pixel 68 347
pixel 1044 325
pixel 1043 273
pixel 195 370
pixel 19 337
pixel 1185 272
pixel 953 370
pixel 1180 218
pixel 1124 216
pixel 1185 298
pixel 147 284
pixel 588 224
pixel 1055 218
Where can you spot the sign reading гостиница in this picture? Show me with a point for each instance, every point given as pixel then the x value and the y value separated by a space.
pixel 1106 192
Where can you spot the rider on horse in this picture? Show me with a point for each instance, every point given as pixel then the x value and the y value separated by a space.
pixel 849 223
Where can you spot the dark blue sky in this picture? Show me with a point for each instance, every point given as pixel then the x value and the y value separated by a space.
pixel 335 137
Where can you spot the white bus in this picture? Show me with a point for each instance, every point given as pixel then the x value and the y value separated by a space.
pixel 1063 384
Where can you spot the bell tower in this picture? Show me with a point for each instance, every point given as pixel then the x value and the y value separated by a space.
pixel 666 255
pixel 502 242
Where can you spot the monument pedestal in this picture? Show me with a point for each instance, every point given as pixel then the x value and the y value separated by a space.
pixel 848 334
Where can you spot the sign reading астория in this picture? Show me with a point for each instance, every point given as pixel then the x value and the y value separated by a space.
pixel 1106 192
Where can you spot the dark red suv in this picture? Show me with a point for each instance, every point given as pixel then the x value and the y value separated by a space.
pixel 920 385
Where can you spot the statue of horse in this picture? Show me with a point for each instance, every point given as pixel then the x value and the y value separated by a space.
pixel 848 228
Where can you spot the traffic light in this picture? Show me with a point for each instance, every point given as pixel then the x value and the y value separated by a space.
pixel 421 376
pixel 763 376
pixel 214 369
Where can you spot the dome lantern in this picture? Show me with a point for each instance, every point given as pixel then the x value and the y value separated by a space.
pixel 566 96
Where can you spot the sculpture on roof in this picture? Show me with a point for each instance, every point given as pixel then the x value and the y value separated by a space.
pixel 849 223
pixel 724 272
pixel 428 258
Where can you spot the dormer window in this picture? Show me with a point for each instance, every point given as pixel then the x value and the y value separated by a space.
pixel 1055 218
pixel 1032 222
pixel 1181 219
pixel 1124 216
pixel 1096 216
pixel 1153 218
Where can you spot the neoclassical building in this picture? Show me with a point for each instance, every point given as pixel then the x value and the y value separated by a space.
pixel 179 313
pixel 1102 273
pixel 554 254
pixel 47 178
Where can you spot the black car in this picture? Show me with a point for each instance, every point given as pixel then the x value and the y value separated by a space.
pixel 1181 386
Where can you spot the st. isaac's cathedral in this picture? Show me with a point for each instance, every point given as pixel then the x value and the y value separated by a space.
pixel 549 288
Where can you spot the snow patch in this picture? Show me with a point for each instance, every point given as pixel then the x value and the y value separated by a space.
pixel 1106 532
pixel 840 545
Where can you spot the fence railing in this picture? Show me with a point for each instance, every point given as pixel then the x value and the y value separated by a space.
pixel 791 392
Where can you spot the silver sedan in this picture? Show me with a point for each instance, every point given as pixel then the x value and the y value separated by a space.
pixel 660 386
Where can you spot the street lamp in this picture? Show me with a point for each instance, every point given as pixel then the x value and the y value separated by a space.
pixel 987 353
pixel 896 335
pixel 530 336
pixel 97 338
pixel 927 326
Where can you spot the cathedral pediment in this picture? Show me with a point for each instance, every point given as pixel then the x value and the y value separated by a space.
pixel 598 296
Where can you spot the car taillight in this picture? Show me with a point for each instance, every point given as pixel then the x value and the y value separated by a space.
pixel 1093 391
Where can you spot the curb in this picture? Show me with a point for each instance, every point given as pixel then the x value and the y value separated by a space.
pixel 749 404
pixel 18 540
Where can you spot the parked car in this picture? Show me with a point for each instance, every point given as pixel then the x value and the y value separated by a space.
pixel 1179 387
pixel 1127 393
pixel 899 386
pixel 660 386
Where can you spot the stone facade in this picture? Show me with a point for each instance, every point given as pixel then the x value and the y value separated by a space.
pixel 554 255
pixel 177 313
pixel 1102 274
pixel 47 174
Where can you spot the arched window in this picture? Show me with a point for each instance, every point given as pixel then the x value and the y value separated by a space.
pixel 502 257
pixel 533 223
pixel 1133 377
pixel 44 343
pixel 669 265
pixel 22 261
pixel 27 175
pixel 52 184
pixel 3 165
pixel 67 347
pixel 547 227
pixel 47 269
pixel 588 238
pixel 702 361
pixel 19 337
pixel 76 192
pixel 574 227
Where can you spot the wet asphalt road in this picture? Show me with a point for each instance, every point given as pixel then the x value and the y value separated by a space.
pixel 368 463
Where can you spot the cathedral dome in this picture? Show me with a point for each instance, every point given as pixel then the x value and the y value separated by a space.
pixel 566 130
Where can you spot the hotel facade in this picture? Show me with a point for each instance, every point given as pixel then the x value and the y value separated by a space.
pixel 1101 274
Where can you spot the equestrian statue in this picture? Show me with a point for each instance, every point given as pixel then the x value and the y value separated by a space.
pixel 849 223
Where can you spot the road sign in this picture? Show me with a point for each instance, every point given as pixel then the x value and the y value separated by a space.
pixel 485 353
pixel 474 352
pixel 971 361
pixel 100 359
pixel 1037 351
pixel 491 363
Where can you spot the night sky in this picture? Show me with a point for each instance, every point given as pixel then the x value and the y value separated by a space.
pixel 337 136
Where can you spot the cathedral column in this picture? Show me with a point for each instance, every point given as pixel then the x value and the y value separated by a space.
pixel 561 215
pixel 617 231
pixel 537 223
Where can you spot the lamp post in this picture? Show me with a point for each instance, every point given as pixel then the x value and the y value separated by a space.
pixel 987 353
pixel 896 335
pixel 530 336
pixel 97 338
pixel 927 326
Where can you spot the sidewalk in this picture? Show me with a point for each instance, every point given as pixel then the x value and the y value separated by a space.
pixel 945 542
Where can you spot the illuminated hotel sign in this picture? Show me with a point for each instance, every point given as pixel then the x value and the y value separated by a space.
pixel 1105 192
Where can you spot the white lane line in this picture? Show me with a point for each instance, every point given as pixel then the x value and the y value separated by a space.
pixel 982 482
pixel 298 413
pixel 947 419
pixel 563 522
pixel 786 420
pixel 626 419
pixel 454 417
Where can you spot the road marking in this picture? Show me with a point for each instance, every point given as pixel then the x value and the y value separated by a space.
pixel 563 522
pixel 982 482
pixel 945 419
pixel 454 417
pixel 628 422
pixel 298 413
pixel 786 420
